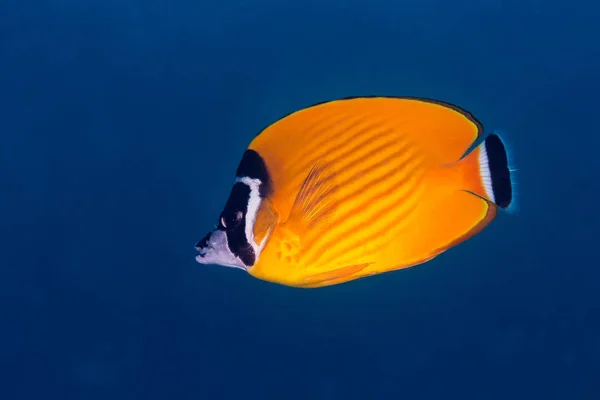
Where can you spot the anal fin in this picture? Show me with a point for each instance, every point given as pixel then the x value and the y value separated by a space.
pixel 338 275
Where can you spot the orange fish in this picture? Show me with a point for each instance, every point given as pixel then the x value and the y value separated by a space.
pixel 356 187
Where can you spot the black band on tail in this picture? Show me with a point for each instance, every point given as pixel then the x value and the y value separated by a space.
pixel 499 171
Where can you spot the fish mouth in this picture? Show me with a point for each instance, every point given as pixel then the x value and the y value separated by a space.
pixel 213 249
pixel 202 247
pixel 202 252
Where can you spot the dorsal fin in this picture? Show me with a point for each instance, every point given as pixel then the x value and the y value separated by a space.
pixel 316 201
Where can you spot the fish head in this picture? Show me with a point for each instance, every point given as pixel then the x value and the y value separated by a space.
pixel 230 244
pixel 214 248
pixel 236 241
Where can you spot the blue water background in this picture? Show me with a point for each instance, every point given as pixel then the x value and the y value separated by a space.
pixel 122 123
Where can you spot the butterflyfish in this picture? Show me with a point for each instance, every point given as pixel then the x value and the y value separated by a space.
pixel 359 186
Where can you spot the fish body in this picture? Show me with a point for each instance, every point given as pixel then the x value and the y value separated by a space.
pixel 356 187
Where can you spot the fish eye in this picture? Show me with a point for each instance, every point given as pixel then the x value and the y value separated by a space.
pixel 231 221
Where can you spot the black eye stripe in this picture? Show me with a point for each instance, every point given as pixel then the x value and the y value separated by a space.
pixel 231 221
pixel 237 201
pixel 253 166
pixel 233 215
pixel 238 244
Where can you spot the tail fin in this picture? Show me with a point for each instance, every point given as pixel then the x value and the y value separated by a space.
pixel 493 180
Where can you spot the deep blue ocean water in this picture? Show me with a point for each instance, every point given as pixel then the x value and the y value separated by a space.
pixel 122 123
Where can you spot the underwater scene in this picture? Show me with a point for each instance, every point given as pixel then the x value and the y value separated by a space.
pixel 299 200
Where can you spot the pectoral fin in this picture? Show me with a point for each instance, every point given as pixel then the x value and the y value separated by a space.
pixel 316 201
